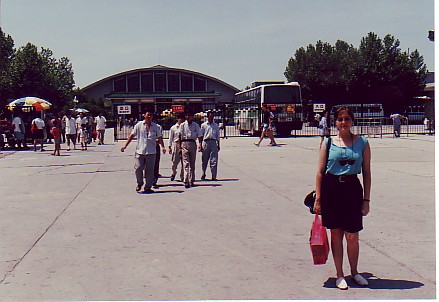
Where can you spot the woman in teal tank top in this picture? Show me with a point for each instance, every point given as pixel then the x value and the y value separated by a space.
pixel 340 198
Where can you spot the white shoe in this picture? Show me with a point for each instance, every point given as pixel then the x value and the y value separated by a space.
pixel 360 280
pixel 341 283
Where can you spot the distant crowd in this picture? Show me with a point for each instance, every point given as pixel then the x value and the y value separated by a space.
pixel 70 129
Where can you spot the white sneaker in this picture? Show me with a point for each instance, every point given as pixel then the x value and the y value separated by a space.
pixel 360 280
pixel 341 283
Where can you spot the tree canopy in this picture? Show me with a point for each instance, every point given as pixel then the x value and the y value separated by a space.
pixel 378 71
pixel 29 71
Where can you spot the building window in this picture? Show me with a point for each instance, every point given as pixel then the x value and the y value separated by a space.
pixel 173 82
pixel 120 84
pixel 147 82
pixel 186 82
pixel 160 81
pixel 133 83
pixel 199 84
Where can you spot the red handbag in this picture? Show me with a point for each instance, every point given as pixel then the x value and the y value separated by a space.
pixel 318 242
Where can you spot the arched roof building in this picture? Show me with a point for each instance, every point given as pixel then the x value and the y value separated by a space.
pixel 159 88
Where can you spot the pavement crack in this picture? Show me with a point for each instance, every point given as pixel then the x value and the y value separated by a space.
pixel 402 264
pixel 9 272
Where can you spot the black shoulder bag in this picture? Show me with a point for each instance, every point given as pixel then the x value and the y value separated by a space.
pixel 310 198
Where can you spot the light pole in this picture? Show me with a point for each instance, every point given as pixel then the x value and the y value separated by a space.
pixel 75 100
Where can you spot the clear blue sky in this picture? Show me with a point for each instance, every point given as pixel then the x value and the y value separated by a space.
pixel 237 41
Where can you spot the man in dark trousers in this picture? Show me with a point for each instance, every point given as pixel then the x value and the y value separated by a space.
pixel 189 133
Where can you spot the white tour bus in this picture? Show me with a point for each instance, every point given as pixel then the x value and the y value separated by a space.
pixel 283 99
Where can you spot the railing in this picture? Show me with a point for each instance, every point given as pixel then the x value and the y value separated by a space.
pixel 371 127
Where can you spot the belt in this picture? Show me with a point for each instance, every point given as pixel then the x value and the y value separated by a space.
pixel 344 177
pixel 188 140
pixel 210 139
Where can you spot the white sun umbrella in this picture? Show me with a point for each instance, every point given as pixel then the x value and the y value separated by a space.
pixel 80 110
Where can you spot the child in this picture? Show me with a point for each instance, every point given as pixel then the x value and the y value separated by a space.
pixel 83 136
pixel 56 133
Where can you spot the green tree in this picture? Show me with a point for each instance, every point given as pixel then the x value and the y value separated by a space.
pixel 32 72
pixel 37 73
pixel 324 71
pixel 387 75
pixel 6 56
pixel 378 71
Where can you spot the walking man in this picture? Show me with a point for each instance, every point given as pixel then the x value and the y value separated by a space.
pixel 19 130
pixel 190 131
pixel 157 154
pixel 147 132
pixel 267 126
pixel 174 148
pixel 396 117
pixel 38 133
pixel 90 125
pixel 211 146
pixel 100 127
pixel 70 130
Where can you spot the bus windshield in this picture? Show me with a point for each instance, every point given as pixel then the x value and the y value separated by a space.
pixel 285 94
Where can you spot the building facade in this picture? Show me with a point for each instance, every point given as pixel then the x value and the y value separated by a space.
pixel 161 89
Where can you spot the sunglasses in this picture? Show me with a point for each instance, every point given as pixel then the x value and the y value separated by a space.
pixel 345 162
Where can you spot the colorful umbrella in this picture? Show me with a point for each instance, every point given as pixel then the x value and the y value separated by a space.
pixel 37 103
pixel 80 110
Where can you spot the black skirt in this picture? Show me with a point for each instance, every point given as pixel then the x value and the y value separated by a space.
pixel 341 203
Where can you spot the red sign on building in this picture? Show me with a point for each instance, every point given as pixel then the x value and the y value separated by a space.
pixel 177 108
pixel 272 107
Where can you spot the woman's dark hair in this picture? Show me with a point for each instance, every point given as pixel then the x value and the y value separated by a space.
pixel 343 108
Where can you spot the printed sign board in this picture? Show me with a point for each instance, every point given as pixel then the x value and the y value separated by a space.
pixel 272 107
pixel 123 109
pixel 319 107
pixel 178 108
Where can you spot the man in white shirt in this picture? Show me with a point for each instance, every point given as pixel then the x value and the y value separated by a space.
pixel 189 132
pixel 174 148
pixel 396 117
pixel 79 121
pixel 147 132
pixel 70 130
pixel 211 146
pixel 19 131
pixel 100 122
pixel 38 133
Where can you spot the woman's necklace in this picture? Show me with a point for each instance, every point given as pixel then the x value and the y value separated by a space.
pixel 345 147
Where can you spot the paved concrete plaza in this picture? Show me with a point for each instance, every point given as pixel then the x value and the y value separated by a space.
pixel 73 227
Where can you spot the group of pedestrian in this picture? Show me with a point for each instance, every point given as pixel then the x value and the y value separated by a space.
pixel 62 128
pixel 83 129
pixel 185 139
pixel 341 199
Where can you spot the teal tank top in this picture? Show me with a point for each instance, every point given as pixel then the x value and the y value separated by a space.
pixel 340 160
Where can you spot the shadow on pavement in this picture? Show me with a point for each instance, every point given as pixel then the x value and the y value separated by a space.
pixel 159 192
pixel 222 179
pixel 197 184
pixel 169 185
pixel 377 283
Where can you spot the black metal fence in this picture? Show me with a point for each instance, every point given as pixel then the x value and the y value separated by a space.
pixel 243 121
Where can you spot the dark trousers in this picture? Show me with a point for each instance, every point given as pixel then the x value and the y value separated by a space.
pixel 157 162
